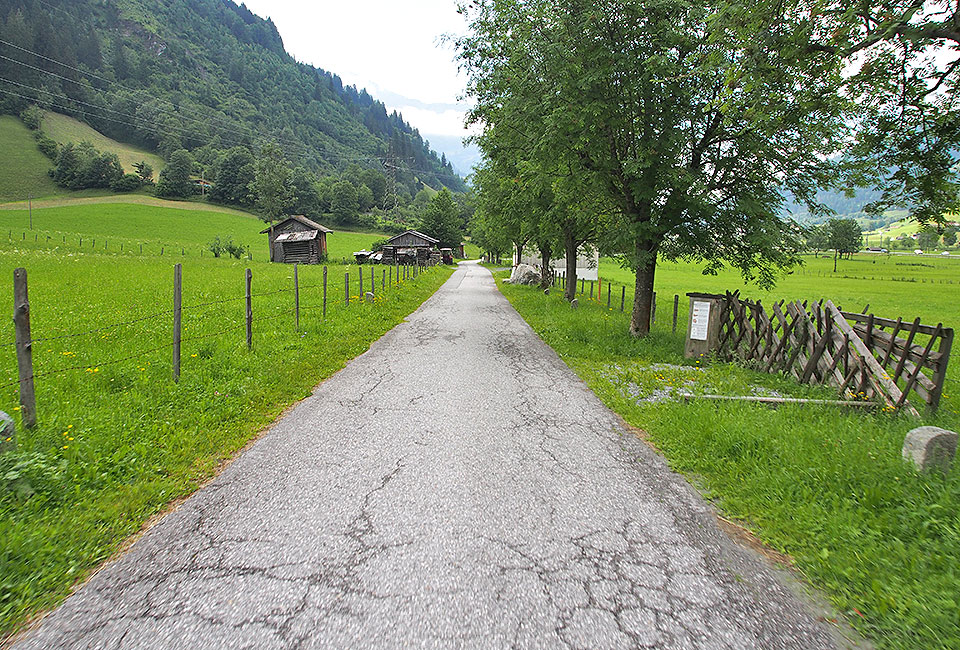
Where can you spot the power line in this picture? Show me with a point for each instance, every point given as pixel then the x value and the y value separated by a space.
pixel 177 113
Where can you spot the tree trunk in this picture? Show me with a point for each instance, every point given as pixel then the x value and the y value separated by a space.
pixel 546 272
pixel 519 254
pixel 570 250
pixel 643 297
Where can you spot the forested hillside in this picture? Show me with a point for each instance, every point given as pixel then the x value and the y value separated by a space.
pixel 204 76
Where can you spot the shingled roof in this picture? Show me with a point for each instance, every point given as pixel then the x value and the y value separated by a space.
pixel 302 219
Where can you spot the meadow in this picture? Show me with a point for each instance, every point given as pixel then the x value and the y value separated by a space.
pixel 117 440
pixel 23 169
pixel 827 488
pixel 64 129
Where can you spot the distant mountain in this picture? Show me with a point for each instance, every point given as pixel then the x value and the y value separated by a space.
pixel 205 75
pixel 463 157
pixel 846 207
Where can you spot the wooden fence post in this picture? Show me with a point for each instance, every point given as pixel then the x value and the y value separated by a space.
pixel 676 306
pixel 324 291
pixel 383 281
pixel 373 280
pixel 296 297
pixel 591 289
pixel 623 296
pixel 360 268
pixel 21 322
pixel 346 287
pixel 608 295
pixel 177 308
pixel 249 309
pixel 653 309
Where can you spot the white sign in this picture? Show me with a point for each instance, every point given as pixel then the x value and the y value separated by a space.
pixel 699 320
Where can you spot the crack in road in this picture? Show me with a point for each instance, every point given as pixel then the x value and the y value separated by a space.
pixel 454 486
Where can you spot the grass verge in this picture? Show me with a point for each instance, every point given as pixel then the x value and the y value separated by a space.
pixel 117 440
pixel 826 487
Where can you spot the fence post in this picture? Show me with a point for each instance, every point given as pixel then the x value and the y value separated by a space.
pixel 383 281
pixel 390 274
pixel 296 297
pixel 373 280
pixel 591 289
pixel 360 268
pixel 346 287
pixel 249 309
pixel 581 286
pixel 653 309
pixel 324 291
pixel 21 322
pixel 177 307
pixel 623 296
pixel 608 295
pixel 676 305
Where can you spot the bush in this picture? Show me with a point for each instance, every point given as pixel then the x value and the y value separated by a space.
pixel 32 116
pixel 225 245
pixel 127 183
pixel 48 147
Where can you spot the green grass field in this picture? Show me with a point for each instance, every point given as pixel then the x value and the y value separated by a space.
pixel 893 285
pixel 64 129
pixel 185 229
pixel 23 169
pixel 826 487
pixel 117 440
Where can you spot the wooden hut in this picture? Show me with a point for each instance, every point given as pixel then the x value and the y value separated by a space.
pixel 409 247
pixel 297 239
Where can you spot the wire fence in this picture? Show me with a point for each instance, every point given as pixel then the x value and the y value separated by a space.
pixel 336 298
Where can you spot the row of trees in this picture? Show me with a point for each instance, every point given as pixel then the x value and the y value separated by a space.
pixel 668 129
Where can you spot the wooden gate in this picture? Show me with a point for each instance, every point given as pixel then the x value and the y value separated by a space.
pixel 864 356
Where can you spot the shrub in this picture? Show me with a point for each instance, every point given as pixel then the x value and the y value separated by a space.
pixel 219 246
pixel 48 146
pixel 127 183
pixel 32 116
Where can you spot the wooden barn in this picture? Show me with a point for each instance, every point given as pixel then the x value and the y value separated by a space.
pixel 409 247
pixel 297 239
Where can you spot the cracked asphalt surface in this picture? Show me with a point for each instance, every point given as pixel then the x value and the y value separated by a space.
pixel 455 486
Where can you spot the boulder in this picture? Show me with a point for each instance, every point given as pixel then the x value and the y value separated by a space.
pixel 930 448
pixel 524 274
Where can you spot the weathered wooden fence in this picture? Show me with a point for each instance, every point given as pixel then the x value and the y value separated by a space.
pixel 864 356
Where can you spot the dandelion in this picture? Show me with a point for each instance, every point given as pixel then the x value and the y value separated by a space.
pixel 66 446
pixel 193 355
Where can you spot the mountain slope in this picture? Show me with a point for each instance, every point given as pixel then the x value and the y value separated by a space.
pixel 205 75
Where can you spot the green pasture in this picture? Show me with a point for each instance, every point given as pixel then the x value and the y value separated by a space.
pixel 892 285
pixel 105 226
pixel 117 440
pixel 826 487
pixel 63 129
pixel 23 169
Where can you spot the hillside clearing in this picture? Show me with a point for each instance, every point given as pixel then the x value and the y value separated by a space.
pixel 64 129
pixel 23 169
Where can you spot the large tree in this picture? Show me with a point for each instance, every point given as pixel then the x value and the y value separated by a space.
pixel 441 221
pixel 686 127
pixel 272 185
pixel 175 179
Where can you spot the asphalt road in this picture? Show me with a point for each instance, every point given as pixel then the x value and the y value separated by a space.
pixel 455 486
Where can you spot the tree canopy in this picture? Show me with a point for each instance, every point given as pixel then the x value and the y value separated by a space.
pixel 679 126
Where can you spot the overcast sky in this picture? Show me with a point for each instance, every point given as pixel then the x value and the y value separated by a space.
pixel 391 48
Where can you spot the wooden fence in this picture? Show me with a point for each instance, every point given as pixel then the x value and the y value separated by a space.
pixel 864 356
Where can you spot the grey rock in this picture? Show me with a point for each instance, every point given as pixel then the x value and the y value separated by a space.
pixel 574 303
pixel 525 274
pixel 368 296
pixel 8 433
pixel 930 448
